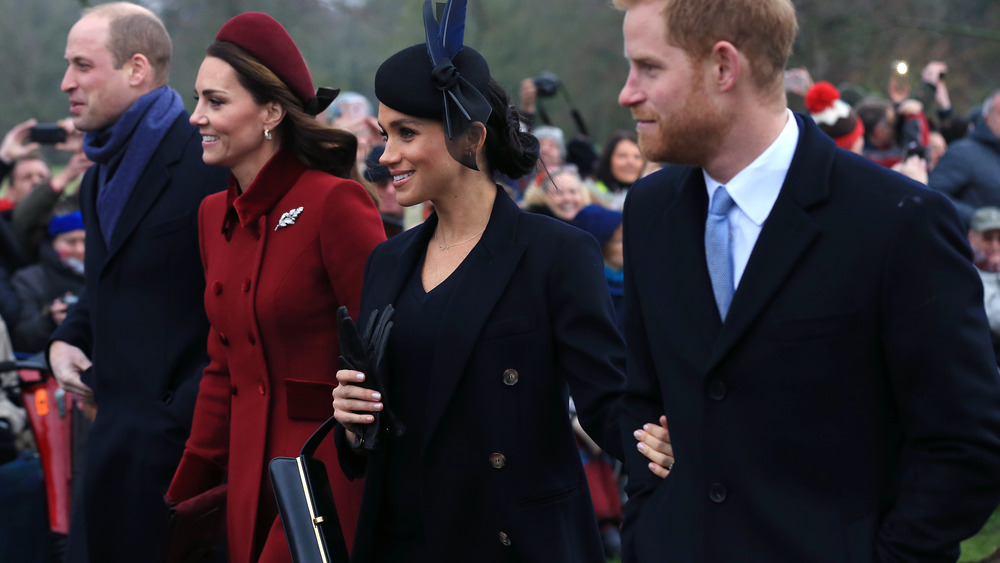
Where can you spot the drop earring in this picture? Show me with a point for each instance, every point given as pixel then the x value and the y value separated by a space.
pixel 267 133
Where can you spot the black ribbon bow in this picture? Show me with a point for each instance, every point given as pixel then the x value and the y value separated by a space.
pixel 322 100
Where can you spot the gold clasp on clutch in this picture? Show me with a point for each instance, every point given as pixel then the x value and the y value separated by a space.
pixel 317 520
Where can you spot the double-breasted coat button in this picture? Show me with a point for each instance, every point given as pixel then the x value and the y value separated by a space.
pixel 498 460
pixel 246 286
pixel 717 492
pixel 223 339
pixel 261 388
pixel 233 390
pixel 504 539
pixel 510 377
pixel 251 338
pixel 217 287
pixel 717 390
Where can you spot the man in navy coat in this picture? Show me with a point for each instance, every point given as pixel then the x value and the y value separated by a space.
pixel 825 367
pixel 140 320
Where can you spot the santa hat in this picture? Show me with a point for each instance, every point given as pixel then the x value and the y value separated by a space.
pixel 833 115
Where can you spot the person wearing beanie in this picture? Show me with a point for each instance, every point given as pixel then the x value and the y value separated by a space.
pixel 496 312
pixel 49 288
pixel 606 226
pixel 283 248
pixel 133 347
pixel 835 117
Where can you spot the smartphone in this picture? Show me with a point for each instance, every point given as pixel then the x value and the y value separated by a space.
pixel 47 134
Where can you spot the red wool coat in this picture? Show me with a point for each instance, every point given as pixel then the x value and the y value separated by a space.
pixel 272 290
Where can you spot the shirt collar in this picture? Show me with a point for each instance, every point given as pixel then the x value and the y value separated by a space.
pixel 755 188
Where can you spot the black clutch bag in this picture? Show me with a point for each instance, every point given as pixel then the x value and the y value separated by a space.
pixel 305 502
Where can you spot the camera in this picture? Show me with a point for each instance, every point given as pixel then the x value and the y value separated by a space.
pixel 914 148
pixel 547 84
pixel 47 134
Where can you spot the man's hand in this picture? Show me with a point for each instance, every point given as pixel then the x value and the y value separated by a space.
pixel 654 443
pixel 67 362
pixel 74 137
pixel 15 145
pixel 529 96
pixel 78 164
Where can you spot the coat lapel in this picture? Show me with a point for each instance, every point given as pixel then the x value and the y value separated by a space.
pixel 485 275
pixel 787 233
pixel 682 270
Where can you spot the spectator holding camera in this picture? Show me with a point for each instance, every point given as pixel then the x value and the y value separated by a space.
pixel 33 193
pixel 49 288
pixel 969 172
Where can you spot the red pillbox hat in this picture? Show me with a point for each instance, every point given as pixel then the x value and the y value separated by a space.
pixel 266 40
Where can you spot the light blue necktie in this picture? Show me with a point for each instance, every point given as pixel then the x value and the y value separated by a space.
pixel 718 249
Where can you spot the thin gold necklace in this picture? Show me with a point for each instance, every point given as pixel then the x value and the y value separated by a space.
pixel 446 247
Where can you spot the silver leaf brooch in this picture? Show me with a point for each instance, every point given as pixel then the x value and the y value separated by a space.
pixel 288 218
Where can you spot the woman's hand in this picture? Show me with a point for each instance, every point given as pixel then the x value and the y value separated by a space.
pixel 654 443
pixel 351 402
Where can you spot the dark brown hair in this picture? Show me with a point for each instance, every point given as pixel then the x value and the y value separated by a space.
pixel 317 145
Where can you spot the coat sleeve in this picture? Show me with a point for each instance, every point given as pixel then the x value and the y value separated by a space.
pixel 206 453
pixel 31 216
pixel 952 176
pixel 32 328
pixel 642 401
pixel 945 387
pixel 351 229
pixel 590 350
pixel 350 234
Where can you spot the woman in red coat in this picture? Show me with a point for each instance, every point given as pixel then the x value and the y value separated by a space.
pixel 282 249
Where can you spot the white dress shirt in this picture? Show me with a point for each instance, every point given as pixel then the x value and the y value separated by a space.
pixel 754 191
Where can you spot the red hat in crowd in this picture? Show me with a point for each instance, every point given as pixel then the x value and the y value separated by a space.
pixel 266 40
pixel 833 115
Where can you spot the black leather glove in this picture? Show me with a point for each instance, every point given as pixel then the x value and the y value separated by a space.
pixel 366 353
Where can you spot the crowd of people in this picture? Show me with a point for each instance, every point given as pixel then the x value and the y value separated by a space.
pixel 780 271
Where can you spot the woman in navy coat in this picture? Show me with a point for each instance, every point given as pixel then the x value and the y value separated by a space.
pixel 498 313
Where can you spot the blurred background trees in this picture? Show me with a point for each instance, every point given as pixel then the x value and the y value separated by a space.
pixel 845 41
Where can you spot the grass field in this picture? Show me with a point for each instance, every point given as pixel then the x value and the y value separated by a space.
pixel 983 546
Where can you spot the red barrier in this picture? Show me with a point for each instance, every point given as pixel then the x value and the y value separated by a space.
pixel 50 410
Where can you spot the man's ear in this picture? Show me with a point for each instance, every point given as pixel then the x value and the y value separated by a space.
pixel 727 65
pixel 139 69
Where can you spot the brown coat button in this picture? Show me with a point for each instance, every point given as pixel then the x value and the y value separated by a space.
pixel 510 377
pixel 217 287
pixel 223 339
pixel 261 388
pixel 498 460
pixel 246 286
pixel 505 539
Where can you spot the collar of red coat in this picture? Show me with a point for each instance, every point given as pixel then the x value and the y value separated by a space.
pixel 271 184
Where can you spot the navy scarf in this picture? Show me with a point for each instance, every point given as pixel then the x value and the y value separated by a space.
pixel 122 151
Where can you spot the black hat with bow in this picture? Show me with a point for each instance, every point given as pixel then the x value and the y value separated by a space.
pixel 440 79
